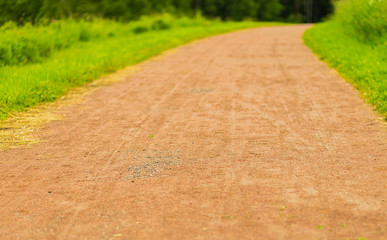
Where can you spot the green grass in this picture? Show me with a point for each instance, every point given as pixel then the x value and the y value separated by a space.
pixel 28 44
pixel 104 47
pixel 354 42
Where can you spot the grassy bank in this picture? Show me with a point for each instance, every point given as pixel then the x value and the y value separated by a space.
pixel 45 62
pixel 354 42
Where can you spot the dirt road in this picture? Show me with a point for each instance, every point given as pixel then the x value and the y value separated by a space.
pixel 240 136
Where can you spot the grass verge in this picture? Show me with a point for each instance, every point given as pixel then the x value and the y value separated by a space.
pixel 89 54
pixel 354 42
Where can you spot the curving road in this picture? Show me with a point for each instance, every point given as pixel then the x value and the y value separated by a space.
pixel 245 135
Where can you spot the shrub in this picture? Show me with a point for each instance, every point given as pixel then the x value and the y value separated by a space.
pixel 140 29
pixel 160 25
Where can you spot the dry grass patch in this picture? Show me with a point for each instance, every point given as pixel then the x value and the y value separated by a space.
pixel 19 128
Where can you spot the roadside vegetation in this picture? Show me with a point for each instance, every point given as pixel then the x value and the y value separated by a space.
pixel 41 63
pixel 38 11
pixel 354 41
pixel 48 46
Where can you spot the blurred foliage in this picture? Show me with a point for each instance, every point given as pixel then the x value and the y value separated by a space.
pixel 41 11
pixel 365 20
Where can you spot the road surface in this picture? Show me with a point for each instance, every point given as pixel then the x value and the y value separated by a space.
pixel 245 135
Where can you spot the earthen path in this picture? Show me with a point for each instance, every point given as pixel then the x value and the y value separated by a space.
pixel 245 135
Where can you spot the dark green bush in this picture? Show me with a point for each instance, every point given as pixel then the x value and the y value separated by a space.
pixel 160 25
pixel 140 29
pixel 84 34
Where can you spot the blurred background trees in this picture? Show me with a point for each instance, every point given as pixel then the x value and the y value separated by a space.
pixel 22 11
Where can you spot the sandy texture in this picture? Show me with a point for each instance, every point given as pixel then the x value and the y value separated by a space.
pixel 240 136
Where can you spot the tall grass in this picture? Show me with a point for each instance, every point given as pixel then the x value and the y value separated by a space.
pixel 354 41
pixel 365 20
pixel 32 44
pixel 108 47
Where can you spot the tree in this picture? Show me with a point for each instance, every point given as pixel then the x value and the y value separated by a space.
pixel 269 10
pixel 243 9
pixel 20 11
